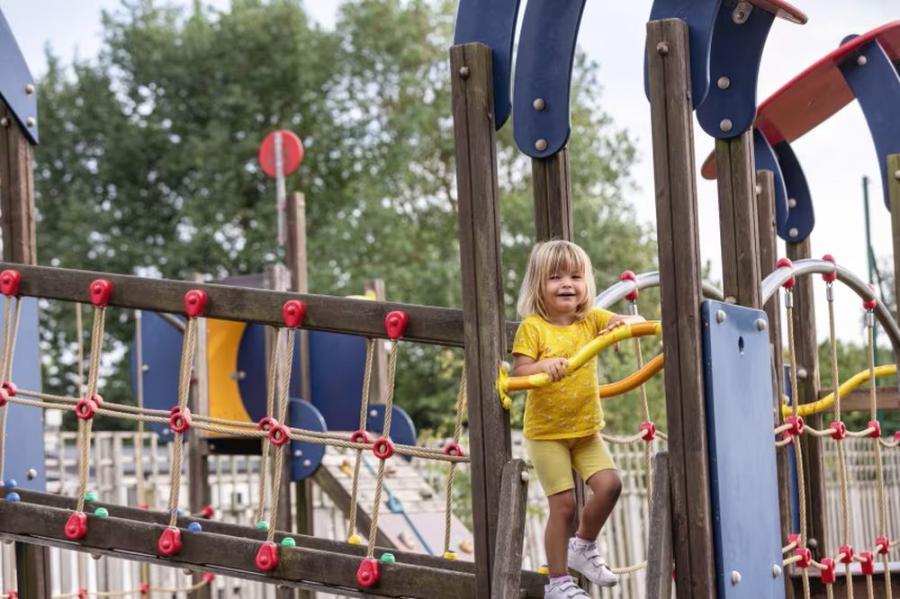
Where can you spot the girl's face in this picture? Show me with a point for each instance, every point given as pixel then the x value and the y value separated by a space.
pixel 562 293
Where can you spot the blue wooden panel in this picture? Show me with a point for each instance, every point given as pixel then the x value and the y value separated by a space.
pixel 801 218
pixel 766 159
pixel 876 85
pixel 544 75
pixel 14 76
pixel 744 487
pixel 162 360
pixel 700 16
pixel 336 365
pixel 25 424
pixel 735 54
pixel 493 23
pixel 305 457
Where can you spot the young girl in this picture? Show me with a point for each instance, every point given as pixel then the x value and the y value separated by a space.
pixel 563 420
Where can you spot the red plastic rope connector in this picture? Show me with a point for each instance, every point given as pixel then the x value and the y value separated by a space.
pixel 882 544
pixel 208 577
pixel 266 423
pixel 180 420
pixel 279 435
pixel 648 430
pixel 86 409
pixel 395 324
pixel 368 573
pixel 867 562
pixel 83 594
pixel 100 291
pixel 796 423
pixel 828 574
pixel 453 449
pixel 786 263
pixel 359 436
pixel 839 430
pixel 794 538
pixel 207 512
pixel 169 542
pixel 76 526
pixel 293 311
pixel 829 277
pixel 847 551
pixel 195 302
pixel 7 389
pixel 383 448
pixel 630 276
pixel 805 557
pixel 144 589
pixel 267 557
pixel 876 429
pixel 12 595
pixel 871 304
pixel 9 282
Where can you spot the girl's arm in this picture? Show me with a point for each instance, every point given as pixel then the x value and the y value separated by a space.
pixel 555 368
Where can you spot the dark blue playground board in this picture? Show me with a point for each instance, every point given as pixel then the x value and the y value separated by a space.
pixel 14 77
pixel 743 481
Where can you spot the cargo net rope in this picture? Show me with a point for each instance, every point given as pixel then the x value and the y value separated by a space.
pixel 647 431
pixel 791 427
pixel 271 430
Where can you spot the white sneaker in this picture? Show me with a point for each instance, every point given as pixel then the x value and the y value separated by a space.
pixel 564 589
pixel 584 558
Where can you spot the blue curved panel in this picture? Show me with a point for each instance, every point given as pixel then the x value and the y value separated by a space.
pixel 305 457
pixel 403 431
pixel 162 360
pixel 700 16
pixel 493 23
pixel 801 217
pixel 765 159
pixel 251 363
pixel 876 85
pixel 735 55
pixel 14 76
pixel 544 75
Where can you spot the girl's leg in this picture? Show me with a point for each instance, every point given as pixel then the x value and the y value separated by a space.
pixel 556 535
pixel 606 487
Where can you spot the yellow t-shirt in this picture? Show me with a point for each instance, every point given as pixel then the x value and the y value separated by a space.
pixel 570 407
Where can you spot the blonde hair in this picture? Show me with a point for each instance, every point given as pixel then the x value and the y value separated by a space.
pixel 551 257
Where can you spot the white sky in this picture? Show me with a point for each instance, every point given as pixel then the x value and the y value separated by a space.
pixel 835 157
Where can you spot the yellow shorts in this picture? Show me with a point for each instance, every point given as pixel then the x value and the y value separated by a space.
pixel 554 460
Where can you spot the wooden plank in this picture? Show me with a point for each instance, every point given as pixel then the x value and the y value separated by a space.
pixel 199 492
pixel 808 382
pixel 680 278
pixel 427 324
pixel 507 574
pixel 659 553
pixel 552 197
pixel 738 220
pixel 887 398
pixel 485 342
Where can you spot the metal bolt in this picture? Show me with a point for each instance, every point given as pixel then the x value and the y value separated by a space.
pixel 802 373
pixel 758 189
pixel 31 474
pixel 897 175
pixel 30 121
pixel 525 476
pixel 187 571
pixel 4 122
pixel 793 232
pixel 505 365
pixel 96 556
pixel 735 577
pixel 373 413
pixel 721 316
pixel 662 48
pixel 146 368
pixel 29 89
pixel 741 12
pixel 724 82
pixel 464 72
pixel 540 145
pixel 306 463
pixel 726 125
pixel 298 453
pixel 792 203
pixel 761 324
pixel 776 570
pixel 861 60
pixel 812 543
pixel 539 104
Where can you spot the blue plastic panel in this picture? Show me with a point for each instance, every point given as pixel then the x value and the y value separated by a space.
pixel 766 159
pixel 544 74
pixel 493 23
pixel 162 360
pixel 735 54
pixel 744 488
pixel 876 85
pixel 14 76
pixel 24 438
pixel 305 457
pixel 801 217
pixel 403 430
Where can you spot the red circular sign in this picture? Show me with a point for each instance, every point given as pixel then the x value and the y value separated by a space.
pixel 291 152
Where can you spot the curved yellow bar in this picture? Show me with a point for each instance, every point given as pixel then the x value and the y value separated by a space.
pixel 506 383
pixel 633 380
pixel 846 388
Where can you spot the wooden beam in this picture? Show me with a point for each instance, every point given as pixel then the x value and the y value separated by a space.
pixel 659 554
pixel 507 575
pixel 482 290
pixel 680 282
pixel 443 326
pixel 552 197
pixel 887 398
pixel 738 220
pixel 804 317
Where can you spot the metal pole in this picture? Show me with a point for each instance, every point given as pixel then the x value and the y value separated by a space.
pixel 870 255
pixel 280 193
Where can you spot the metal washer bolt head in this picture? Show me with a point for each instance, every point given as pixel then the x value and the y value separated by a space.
pixel 464 72
pixel 724 82
pixel 30 121
pixel 793 232
pixel 776 570
pixel 861 61
pixel 897 175
pixel 726 125
pixel 29 89
pixel 792 203
pixel 540 145
pixel 4 122
pixel 760 324
pixel 31 474
pixel 735 577
pixel 525 476
pixel 720 316
pixel 662 48
pixel 539 104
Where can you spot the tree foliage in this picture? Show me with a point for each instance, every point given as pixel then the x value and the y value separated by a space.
pixel 149 164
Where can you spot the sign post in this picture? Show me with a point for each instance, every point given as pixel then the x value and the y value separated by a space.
pixel 280 155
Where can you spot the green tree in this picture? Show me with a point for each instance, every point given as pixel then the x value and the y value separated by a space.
pixel 149 164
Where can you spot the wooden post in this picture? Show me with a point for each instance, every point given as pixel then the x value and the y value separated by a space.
pixel 19 245
pixel 379 388
pixel 768 255
pixel 482 290
pixel 738 228
pixel 680 283
pixel 552 197
pixel 804 317
pixel 510 531
pixel 659 557
pixel 198 445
